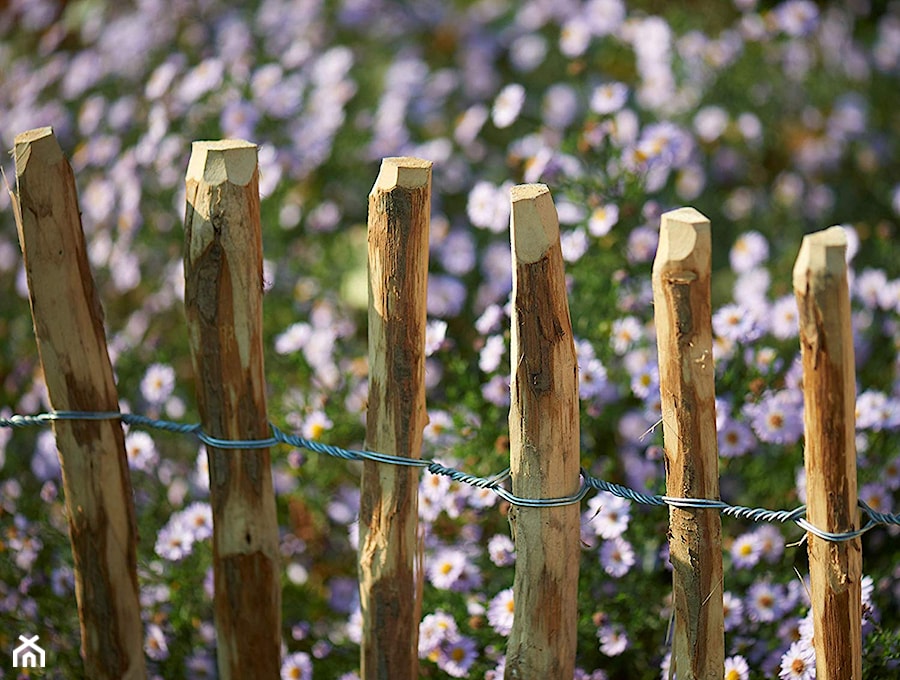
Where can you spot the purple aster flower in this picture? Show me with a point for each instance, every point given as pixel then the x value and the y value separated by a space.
pixel 710 123
pixel 736 323
pixel 798 662
pixel 45 461
pixel 445 567
pixel 877 411
pixel 158 383
pixel 574 38
pixel 343 594
pixel 771 542
pixel 175 540
pixel 867 286
pixel 491 354
pixel 778 417
pixel 502 550
pixel 609 98
pixel 617 557
pixel 764 601
pixel 797 18
pixel 876 496
pixel 201 664
pixel 527 52
pixel 613 640
pixel 733 610
pixel 496 390
pixel 501 610
pixel 784 322
pixel 890 474
pixel 456 252
pixel 736 668
pixel 141 451
pixel 574 244
pixel 746 551
pixel 749 251
pixel 297 666
pixel 642 243
pixel 602 219
pixel 434 629
pixel 608 515
pixel 490 319
pixel 626 332
pixel 735 439
pixel 560 106
pixel 446 296
pixel 488 206
pixel 155 643
pixel 508 105
pixel 456 656
pixel 197 517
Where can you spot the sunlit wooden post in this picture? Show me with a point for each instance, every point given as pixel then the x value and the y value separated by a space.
pixel 399 217
pixel 223 306
pixel 829 414
pixel 68 324
pixel 544 445
pixel 681 301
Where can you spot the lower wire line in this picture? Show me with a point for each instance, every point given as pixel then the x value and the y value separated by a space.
pixel 493 482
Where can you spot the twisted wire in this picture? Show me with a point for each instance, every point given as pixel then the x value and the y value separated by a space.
pixel 493 482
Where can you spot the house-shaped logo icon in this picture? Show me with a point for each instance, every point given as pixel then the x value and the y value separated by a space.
pixel 28 654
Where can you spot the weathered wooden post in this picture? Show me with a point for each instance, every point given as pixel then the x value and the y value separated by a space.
pixel 829 415
pixel 681 299
pixel 399 217
pixel 544 445
pixel 68 324
pixel 223 306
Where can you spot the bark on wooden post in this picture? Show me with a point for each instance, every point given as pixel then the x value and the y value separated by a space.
pixel 68 323
pixel 223 306
pixel 544 445
pixel 829 389
pixel 399 217
pixel 681 299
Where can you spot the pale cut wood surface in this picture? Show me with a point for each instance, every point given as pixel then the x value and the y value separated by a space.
pixel 68 324
pixel 399 218
pixel 681 299
pixel 829 390
pixel 223 306
pixel 544 445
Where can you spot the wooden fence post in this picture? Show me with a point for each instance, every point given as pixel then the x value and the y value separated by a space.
pixel 681 299
pixel 399 217
pixel 829 414
pixel 544 445
pixel 68 324
pixel 223 306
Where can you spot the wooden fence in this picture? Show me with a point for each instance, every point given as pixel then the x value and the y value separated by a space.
pixel 223 305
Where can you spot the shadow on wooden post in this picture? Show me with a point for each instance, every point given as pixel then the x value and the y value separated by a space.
pixel 223 306
pixel 544 445
pixel 829 414
pixel 399 217
pixel 681 300
pixel 68 324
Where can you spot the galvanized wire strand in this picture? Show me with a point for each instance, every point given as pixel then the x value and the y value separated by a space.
pixel 493 482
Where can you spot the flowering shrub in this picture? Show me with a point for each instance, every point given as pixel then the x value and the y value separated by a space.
pixel 773 118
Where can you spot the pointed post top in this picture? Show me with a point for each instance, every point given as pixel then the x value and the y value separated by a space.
pixel 403 171
pixel 534 222
pixel 226 160
pixel 824 251
pixel 684 240
pixel 39 143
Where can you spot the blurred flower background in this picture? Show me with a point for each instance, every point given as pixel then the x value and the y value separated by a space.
pixel 774 119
